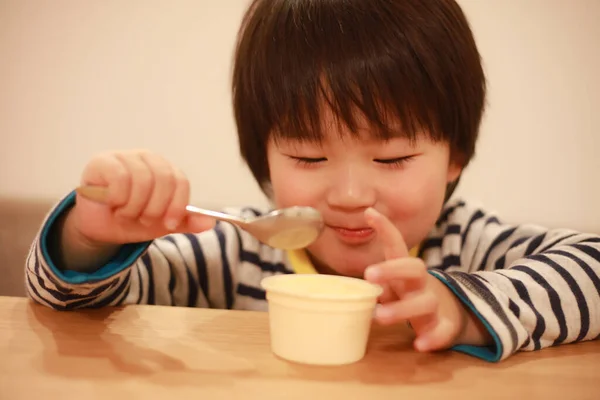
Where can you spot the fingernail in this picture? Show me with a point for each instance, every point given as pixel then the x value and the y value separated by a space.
pixel 370 212
pixel 421 344
pixel 377 307
pixel 372 273
pixel 171 224
pixel 383 312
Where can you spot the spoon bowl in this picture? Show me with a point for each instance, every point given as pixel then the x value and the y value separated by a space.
pixel 287 228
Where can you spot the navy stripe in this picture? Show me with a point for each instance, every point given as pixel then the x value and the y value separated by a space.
pixel 591 240
pixel 52 304
pixel 148 263
pixel 502 260
pixel 540 323
pixel 481 278
pixel 226 268
pixel 65 297
pixel 586 268
pixel 526 342
pixel 535 242
pixel 253 258
pixel 492 220
pixel 557 241
pixel 453 229
pixel 79 303
pixel 32 288
pixel 123 288
pixel 200 264
pixel 514 308
pixel 263 265
pixel 87 303
pixel 171 279
pixel 253 211
pixel 446 213
pixel 590 251
pixel 477 216
pixel 518 242
pixel 575 289
pixel 499 264
pixel 192 289
pixel 192 284
pixel 125 292
pixel 55 281
pixel 255 293
pixel 48 274
pixel 429 244
pixel 497 241
pixel 451 261
pixel 140 285
pixel 582 305
pixel 554 298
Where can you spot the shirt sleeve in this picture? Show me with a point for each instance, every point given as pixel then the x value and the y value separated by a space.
pixel 194 270
pixel 531 287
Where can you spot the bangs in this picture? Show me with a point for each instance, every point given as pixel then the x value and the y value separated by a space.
pixel 314 57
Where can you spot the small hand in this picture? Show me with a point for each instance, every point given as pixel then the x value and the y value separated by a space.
pixel 411 293
pixel 147 199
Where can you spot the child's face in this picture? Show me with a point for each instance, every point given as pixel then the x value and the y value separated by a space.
pixel 343 176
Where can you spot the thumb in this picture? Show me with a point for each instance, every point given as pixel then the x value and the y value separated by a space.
pixel 194 223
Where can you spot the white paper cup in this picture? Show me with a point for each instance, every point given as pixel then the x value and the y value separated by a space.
pixel 320 319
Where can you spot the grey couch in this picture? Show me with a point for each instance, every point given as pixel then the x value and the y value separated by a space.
pixel 20 220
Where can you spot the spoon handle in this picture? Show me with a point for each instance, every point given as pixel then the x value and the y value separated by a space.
pixel 100 194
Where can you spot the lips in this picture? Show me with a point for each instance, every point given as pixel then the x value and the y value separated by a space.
pixel 353 235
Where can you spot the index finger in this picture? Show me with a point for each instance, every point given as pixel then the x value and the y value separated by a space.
pixel 393 242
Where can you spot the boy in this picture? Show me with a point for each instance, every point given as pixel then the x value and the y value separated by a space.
pixel 368 111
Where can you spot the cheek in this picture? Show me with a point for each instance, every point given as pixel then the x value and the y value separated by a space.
pixel 294 188
pixel 418 200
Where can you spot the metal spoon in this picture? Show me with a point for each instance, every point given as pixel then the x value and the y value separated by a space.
pixel 288 228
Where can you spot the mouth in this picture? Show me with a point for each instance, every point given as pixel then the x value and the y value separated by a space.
pixel 358 235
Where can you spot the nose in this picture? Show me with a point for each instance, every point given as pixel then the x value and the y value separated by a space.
pixel 351 188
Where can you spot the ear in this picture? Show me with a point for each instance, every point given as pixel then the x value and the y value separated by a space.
pixel 454 171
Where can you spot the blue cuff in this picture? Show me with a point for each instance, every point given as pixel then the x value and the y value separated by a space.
pixel 125 257
pixel 487 353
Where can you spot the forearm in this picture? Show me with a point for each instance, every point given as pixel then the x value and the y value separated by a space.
pixel 74 252
pixel 472 332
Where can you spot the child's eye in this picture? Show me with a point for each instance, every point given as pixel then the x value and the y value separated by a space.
pixel 394 162
pixel 308 161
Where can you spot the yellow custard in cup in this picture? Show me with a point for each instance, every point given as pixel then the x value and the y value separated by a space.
pixel 320 319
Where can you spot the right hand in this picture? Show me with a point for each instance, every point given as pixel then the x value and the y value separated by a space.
pixel 147 197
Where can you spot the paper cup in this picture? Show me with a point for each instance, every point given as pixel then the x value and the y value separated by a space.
pixel 320 319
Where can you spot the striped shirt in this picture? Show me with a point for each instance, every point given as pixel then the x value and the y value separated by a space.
pixel 531 287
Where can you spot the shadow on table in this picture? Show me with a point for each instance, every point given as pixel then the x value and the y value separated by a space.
pixel 101 350
pixel 84 345
pixel 391 360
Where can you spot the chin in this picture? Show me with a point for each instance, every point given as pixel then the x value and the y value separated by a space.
pixel 345 260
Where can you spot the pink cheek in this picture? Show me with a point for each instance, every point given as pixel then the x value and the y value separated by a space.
pixel 405 207
pixel 290 192
pixel 400 204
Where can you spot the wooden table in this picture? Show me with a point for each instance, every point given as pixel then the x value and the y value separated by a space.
pixel 149 352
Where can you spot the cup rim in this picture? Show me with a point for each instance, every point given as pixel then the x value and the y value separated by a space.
pixel 371 291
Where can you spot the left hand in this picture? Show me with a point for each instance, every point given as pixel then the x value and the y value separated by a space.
pixel 411 293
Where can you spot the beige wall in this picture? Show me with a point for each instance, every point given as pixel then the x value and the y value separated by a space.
pixel 78 77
